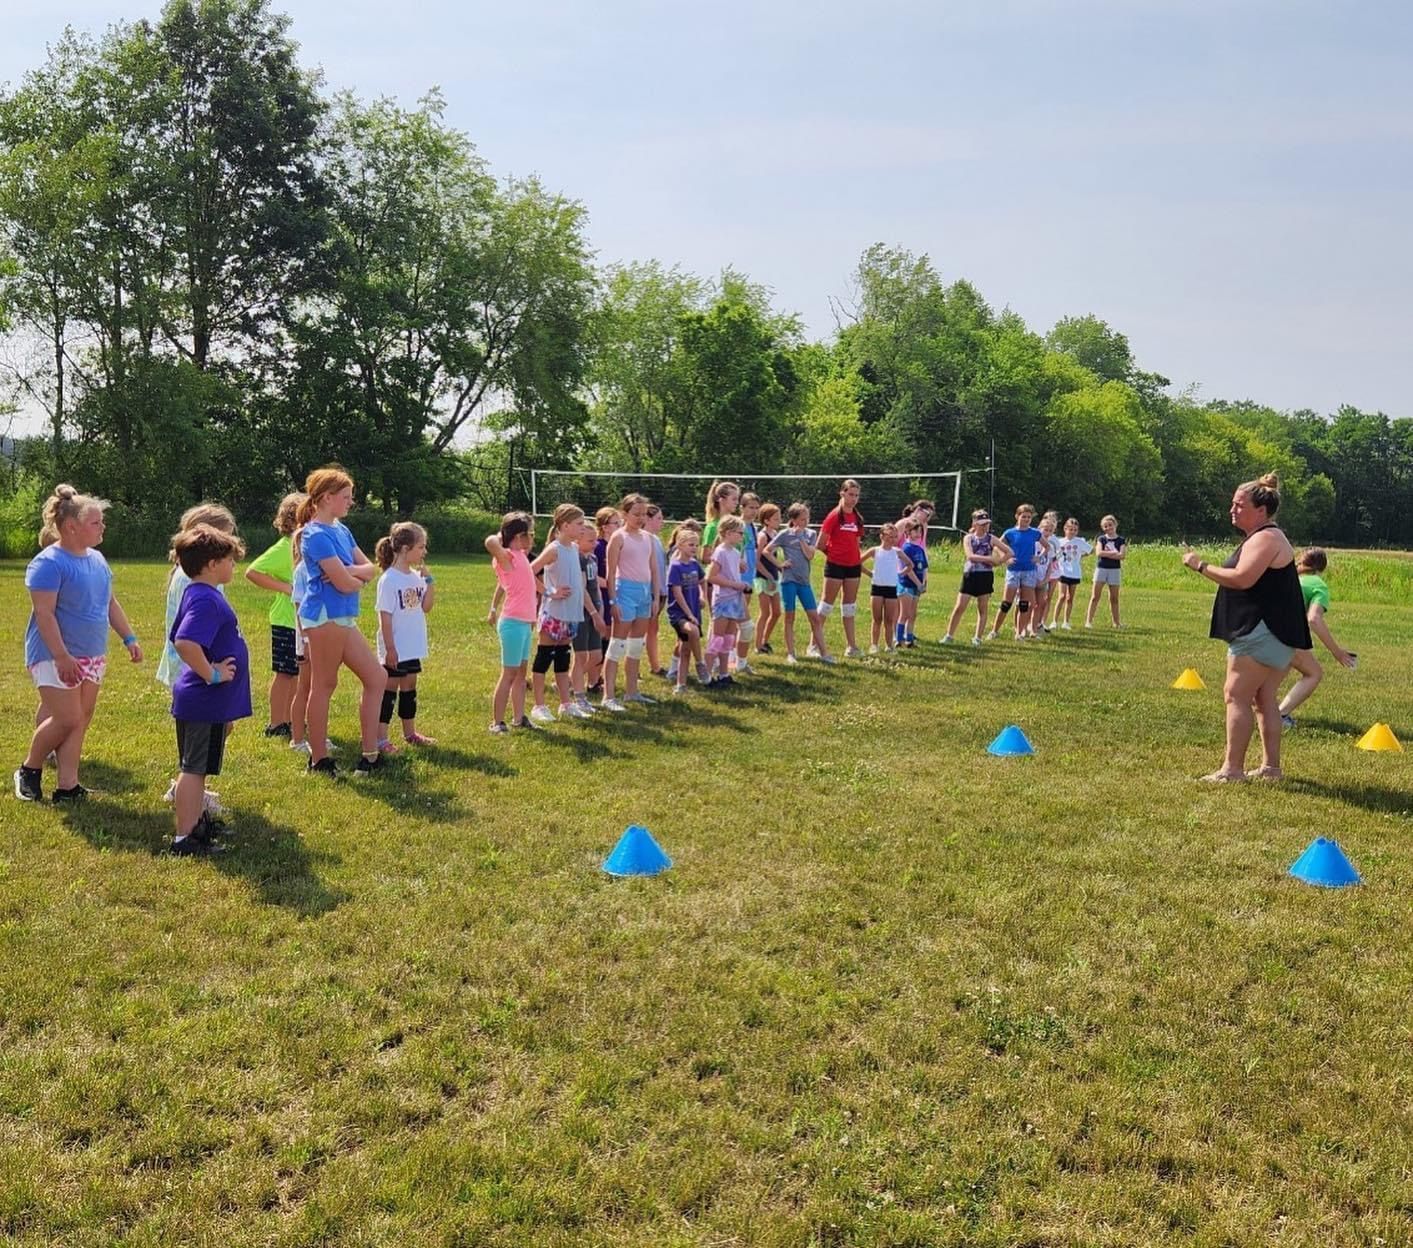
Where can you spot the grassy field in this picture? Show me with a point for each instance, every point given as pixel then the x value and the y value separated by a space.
pixel 893 992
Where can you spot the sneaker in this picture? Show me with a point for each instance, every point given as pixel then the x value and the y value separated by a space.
pixel 641 699
pixel 764 649
pixel 1287 722
pixel 277 730
pixel 193 846
pixel 1087 624
pixel 852 652
pixel 612 704
pixel 702 673
pixel 526 722
pixel 416 738
pixel 324 767
pixel 827 659
pixel 572 710
pixel 744 668
pixel 542 715
pixel 583 703
pixel 946 641
pixel 74 794
pixel 366 766
pixel 499 729
pixel 386 747
pixel 976 641
pixel 301 746
pixel 812 651
pixel 791 660
pixel 663 673
pixel 211 803
pixel 29 784
pixel 672 670
pixel 679 689
pixel 991 636
pixel 873 649
pixel 1066 626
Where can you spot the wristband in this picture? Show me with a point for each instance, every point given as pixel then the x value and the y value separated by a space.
pixel 431 580
pixel 1201 566
pixel 130 639
pixel 215 676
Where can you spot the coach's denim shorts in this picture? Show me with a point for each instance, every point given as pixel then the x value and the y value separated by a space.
pixel 1264 646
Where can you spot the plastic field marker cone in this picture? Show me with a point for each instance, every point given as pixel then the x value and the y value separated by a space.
pixel 1323 863
pixel 1009 743
pixel 636 854
pixel 1188 680
pixel 1380 737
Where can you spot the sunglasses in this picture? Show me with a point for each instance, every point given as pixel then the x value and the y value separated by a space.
pixel 981 517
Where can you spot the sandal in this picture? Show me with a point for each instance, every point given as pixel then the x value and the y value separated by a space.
pixel 1266 773
pixel 1224 777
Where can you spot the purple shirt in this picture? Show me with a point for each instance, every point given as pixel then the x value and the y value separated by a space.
pixel 688 577
pixel 206 618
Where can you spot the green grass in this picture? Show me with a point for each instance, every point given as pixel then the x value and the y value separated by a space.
pixel 893 992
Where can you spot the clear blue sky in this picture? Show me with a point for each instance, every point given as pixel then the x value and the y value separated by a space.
pixel 1228 183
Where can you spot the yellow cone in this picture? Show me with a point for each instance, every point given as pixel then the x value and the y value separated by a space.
pixel 1189 680
pixel 1380 737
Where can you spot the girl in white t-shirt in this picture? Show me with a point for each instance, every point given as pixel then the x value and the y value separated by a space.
pixel 405 597
pixel 1073 549
pixel 890 566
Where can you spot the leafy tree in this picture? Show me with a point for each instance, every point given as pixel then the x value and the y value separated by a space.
pixel 1103 351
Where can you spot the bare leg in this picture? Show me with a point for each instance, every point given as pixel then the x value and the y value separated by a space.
pixel 1268 721
pixel 983 613
pixel 1244 678
pixel 1311 673
pixel 851 597
pixel 187 802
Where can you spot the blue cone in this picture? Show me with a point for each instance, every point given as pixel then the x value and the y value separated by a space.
pixel 1010 742
pixel 1323 863
pixel 636 854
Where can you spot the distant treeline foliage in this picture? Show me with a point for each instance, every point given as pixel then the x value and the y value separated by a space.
pixel 215 276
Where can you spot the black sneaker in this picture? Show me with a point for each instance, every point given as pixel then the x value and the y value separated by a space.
pixel 366 766
pixel 75 794
pixel 324 767
pixel 277 730
pixel 29 784
pixel 200 842
pixel 765 649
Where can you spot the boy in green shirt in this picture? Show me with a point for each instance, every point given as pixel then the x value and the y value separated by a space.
pixel 1316 593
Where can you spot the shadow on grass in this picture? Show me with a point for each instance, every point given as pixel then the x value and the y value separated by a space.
pixel 1339 727
pixel 1376 797
pixel 486 764
pixel 269 857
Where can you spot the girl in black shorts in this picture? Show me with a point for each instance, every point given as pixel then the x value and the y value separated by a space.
pixel 841 539
pixel 983 554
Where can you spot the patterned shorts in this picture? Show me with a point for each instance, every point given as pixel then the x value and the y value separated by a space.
pixel 46 674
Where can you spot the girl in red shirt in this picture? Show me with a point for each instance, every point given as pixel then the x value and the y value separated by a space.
pixel 841 539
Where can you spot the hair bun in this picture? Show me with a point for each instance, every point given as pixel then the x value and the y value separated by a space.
pixel 1271 481
pixel 65 491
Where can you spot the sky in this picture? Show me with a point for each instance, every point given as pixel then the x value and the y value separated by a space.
pixel 1227 182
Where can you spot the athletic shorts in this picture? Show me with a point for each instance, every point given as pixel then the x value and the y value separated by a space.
pixel 1025 580
pixel 887 592
pixel 792 592
pixel 586 637
pixel 634 601
pixel 680 624
pixel 764 585
pixel 728 608
pixel 555 632
pixel 1069 580
pixel 842 571
pixel 1108 576
pixel 1264 646
pixel 200 747
pixel 909 591
pixel 516 638
pixel 979 584
pixel 408 667
pixel 343 621
pixel 90 670
pixel 284 660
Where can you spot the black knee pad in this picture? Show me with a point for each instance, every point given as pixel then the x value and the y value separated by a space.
pixel 544 656
pixel 1022 606
pixel 385 715
pixel 1003 608
pixel 407 704
pixel 563 656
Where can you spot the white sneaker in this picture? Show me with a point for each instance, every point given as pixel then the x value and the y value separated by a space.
pixel 672 670
pixel 583 703
pixel 976 641
pixel 743 668
pixel 873 649
pixel 542 715
pixel 853 652
pixel 679 689
pixel 828 659
pixel 812 651
pixel 572 710
pixel 946 641
pixel 301 746
pixel 1087 624
pixel 1066 626
pixel 991 636
pixel 612 704
pixel 640 699
pixel 791 660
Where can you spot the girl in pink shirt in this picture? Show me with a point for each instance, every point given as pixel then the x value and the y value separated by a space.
pixel 515 596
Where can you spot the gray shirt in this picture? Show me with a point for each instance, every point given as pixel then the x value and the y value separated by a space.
pixel 565 570
pixel 797 565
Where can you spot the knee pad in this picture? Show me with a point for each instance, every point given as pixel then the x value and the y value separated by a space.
pixel 636 646
pixel 849 610
pixel 407 704
pixel 385 714
pixel 1004 607
pixel 563 657
pixel 1023 607
pixel 617 649
pixel 747 630
pixel 544 657
pixel 719 644
pixel 824 609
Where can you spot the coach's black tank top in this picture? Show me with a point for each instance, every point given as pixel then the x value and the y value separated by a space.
pixel 1274 600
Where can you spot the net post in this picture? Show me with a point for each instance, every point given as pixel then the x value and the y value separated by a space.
pixel 957 501
pixel 534 495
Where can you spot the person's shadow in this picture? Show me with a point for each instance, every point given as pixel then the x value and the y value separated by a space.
pixel 1376 797
pixel 270 857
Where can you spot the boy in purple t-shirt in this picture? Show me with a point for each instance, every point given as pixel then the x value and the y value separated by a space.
pixel 213 690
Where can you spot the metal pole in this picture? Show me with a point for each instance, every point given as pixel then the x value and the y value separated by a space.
pixel 534 497
pixel 992 508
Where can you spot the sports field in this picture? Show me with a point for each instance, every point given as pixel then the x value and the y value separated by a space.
pixel 893 991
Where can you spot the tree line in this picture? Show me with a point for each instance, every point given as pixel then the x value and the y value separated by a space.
pixel 215 275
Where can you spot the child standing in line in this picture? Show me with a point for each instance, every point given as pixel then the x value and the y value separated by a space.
pixel 1046 571
pixel 684 608
pixel 721 500
pixel 796 548
pixel 654 531
pixel 607 522
pixel 299 704
pixel 727 578
pixel 912 582
pixel 561 613
pixel 632 586
pixel 767 573
pixel 1073 549
pixel 212 690
pixel 405 597
pixel 1021 541
pixel 1311 565
pixel 274 571
pixel 890 568
pixel 750 507
pixel 66 640
pixel 982 554
pixel 169 667
pixel 588 638
pixel 1112 550
pixel 515 596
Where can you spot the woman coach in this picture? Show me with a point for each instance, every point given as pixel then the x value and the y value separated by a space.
pixel 1260 614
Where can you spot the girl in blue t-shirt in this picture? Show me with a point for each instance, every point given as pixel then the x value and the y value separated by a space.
pixel 328 615
pixel 1020 573
pixel 66 641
